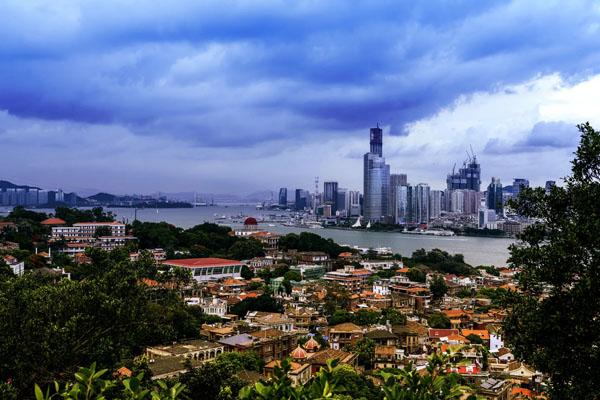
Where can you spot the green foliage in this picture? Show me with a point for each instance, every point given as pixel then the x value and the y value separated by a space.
pixel 245 249
pixel 409 384
pixel 553 323
pixel 438 287
pixel 204 240
pixel 218 380
pixel 342 382
pixel 307 241
pixel 490 269
pixel 264 302
pixel 394 317
pixel 441 261
pixel 74 215
pixel 498 296
pixel 246 273
pixel 89 384
pixel 337 297
pixel 438 320
pixel 475 339
pixel 48 328
pixel 416 275
pixel 365 348
pixel 463 293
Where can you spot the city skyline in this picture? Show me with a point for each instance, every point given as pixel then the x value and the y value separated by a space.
pixel 216 99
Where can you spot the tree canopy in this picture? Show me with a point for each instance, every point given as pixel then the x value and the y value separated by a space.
pixel 554 323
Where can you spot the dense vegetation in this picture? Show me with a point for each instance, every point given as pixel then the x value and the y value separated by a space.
pixel 204 240
pixel 554 324
pixel 440 261
pixel 50 327
pixel 307 241
pixel 343 383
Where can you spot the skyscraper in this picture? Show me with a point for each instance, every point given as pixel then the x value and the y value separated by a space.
pixel 376 178
pixel 420 203
pixel 396 180
pixel 354 203
pixel 494 196
pixel 518 184
pixel 301 200
pixel 435 203
pixel 283 197
pixel 343 202
pixel 402 206
pixel 330 195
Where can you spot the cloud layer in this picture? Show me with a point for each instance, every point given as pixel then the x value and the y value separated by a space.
pixel 211 90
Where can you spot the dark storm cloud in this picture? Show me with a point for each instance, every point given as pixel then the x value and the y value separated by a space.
pixel 237 73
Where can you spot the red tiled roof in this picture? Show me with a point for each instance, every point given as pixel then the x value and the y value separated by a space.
pixel 438 333
pixel 53 221
pixel 201 262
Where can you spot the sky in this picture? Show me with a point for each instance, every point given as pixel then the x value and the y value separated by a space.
pixel 231 96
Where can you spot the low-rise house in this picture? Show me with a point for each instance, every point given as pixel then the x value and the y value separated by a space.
pixel 299 373
pixel 412 336
pixel 17 267
pixel 269 320
pixel 270 344
pixel 378 265
pixel 313 257
pixel 437 335
pixel 346 334
pixel 495 389
pixel 168 361
pixel 382 337
pixel 309 271
pixel 320 358
pixel 387 357
pixel 157 254
pixel 209 305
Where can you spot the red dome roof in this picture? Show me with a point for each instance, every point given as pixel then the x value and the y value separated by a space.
pixel 250 221
pixel 299 353
pixel 311 345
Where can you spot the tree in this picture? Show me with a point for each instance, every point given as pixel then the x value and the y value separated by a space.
pixel 553 323
pixel 263 302
pixel 365 348
pixel 89 384
pixel 246 273
pixel 438 287
pixel 439 321
pixel 416 275
pixel 245 249
pixel 475 339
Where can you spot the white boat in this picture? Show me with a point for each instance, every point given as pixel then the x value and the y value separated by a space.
pixel 369 225
pixel 357 224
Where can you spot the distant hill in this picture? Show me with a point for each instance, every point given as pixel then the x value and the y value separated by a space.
pixel 10 185
pixel 102 198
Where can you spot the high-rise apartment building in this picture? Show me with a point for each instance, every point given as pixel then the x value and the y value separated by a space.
pixel 494 196
pixel 436 199
pixel 330 195
pixel 420 203
pixel 343 202
pixel 283 197
pixel 396 180
pixel 376 178
pixel 354 200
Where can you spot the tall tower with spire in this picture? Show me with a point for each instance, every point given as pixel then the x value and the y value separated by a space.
pixel 376 179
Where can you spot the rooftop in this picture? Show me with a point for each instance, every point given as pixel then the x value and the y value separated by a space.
pixel 201 262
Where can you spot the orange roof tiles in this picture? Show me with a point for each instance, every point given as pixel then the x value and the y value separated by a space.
pixel 482 333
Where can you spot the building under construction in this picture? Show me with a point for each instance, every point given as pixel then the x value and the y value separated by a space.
pixel 467 177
